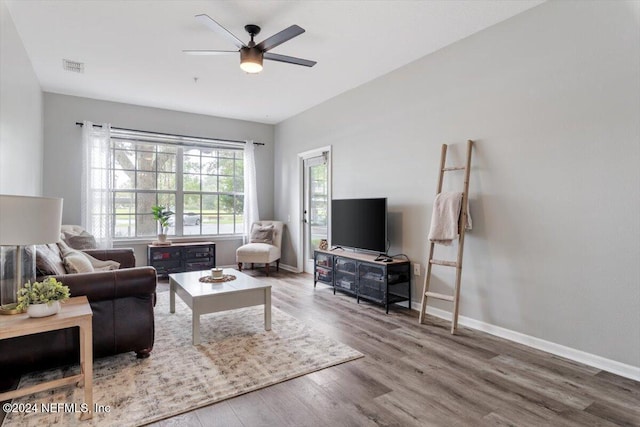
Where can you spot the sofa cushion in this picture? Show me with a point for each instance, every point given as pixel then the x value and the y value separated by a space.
pixel 262 234
pixel 257 252
pixel 49 260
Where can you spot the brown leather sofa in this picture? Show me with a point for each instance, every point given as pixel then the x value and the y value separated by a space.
pixel 122 302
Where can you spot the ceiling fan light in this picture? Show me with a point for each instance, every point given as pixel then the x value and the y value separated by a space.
pixel 251 67
pixel 251 60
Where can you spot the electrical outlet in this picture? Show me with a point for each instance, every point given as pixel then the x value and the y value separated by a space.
pixel 416 269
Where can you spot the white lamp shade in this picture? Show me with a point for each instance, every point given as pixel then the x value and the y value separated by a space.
pixel 26 220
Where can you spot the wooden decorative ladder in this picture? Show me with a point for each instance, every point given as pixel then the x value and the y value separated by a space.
pixel 455 298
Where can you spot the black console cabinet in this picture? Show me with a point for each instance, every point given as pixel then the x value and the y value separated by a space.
pixel 362 276
pixel 181 257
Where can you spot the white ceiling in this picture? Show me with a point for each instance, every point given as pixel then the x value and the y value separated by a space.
pixel 132 50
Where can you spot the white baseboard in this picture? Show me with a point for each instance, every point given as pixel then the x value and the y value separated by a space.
pixel 622 369
pixel 289 268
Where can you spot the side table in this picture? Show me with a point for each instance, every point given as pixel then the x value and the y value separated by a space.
pixel 75 312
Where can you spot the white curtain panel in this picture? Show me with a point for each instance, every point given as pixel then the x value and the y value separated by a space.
pixel 251 213
pixel 97 197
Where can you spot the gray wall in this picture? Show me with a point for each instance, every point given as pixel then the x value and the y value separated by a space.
pixel 551 97
pixel 20 115
pixel 62 149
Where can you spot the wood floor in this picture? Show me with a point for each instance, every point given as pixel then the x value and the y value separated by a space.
pixel 420 375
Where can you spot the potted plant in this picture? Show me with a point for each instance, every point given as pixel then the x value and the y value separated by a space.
pixel 162 215
pixel 42 299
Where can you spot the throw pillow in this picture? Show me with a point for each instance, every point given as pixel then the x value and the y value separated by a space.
pixel 82 241
pixel 48 260
pixel 80 262
pixel 262 234
pixel 76 262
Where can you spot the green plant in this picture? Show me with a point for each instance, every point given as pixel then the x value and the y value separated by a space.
pixel 47 291
pixel 161 215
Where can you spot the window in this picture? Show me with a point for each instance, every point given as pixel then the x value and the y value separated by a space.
pixel 213 189
pixel 203 184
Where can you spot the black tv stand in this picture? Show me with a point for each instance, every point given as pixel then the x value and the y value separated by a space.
pixel 384 258
pixel 362 276
pixel 337 247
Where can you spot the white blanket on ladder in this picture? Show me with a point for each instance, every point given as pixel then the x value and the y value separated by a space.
pixel 446 217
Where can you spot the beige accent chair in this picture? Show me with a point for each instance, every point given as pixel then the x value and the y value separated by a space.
pixel 261 249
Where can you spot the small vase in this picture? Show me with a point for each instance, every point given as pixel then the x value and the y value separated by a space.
pixel 43 310
pixel 162 238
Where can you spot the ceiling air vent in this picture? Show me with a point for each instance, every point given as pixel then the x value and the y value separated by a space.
pixel 76 67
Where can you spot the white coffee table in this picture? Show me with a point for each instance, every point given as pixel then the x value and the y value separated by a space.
pixel 203 298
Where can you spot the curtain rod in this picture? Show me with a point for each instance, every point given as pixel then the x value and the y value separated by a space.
pixel 173 134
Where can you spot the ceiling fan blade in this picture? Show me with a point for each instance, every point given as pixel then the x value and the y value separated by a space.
pixel 279 38
pixel 209 52
pixel 214 26
pixel 288 59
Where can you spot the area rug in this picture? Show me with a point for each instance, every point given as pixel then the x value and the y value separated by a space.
pixel 236 356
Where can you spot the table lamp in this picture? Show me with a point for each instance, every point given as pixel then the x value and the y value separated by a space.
pixel 24 221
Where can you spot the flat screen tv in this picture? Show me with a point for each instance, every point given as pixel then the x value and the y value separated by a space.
pixel 359 224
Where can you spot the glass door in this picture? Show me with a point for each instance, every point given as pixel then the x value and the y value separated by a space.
pixel 316 206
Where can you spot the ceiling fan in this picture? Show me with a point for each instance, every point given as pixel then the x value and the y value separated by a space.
pixel 252 54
